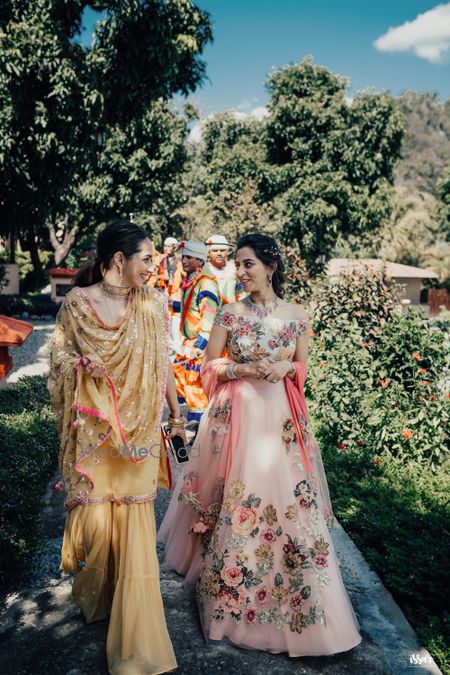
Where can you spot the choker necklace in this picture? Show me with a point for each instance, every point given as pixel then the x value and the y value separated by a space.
pixel 115 291
pixel 261 312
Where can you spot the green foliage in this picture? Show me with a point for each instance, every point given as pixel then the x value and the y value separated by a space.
pixel 86 133
pixel 28 457
pixel 398 515
pixel 360 298
pixel 426 146
pixel 444 202
pixel 332 161
pixel 26 268
pixel 35 303
pixel 377 387
pixel 377 377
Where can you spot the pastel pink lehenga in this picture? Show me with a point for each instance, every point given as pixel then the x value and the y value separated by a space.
pixel 250 516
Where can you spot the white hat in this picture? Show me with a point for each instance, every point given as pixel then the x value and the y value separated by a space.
pixel 171 240
pixel 218 241
pixel 195 249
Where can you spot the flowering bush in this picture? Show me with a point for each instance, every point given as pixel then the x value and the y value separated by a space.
pixel 358 299
pixel 378 392
pixel 377 379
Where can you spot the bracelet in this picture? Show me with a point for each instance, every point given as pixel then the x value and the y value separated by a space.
pixel 230 372
pixel 177 421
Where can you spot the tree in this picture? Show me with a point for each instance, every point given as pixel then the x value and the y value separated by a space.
pixel 443 189
pixel 331 161
pixel 67 112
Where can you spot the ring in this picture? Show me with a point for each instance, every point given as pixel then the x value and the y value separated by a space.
pixel 273 381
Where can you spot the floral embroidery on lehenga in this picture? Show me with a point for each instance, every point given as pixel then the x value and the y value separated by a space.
pixel 288 434
pixel 240 584
pixel 219 416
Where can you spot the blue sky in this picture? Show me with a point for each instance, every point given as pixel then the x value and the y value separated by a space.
pixel 253 36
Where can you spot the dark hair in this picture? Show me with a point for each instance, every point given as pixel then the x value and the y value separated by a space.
pixel 120 235
pixel 267 251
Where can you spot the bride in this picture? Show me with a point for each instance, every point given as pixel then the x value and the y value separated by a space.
pixel 250 516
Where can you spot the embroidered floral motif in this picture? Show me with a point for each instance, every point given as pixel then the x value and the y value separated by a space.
pixel 249 592
pixel 269 515
pixel 288 434
pixel 248 340
pixel 220 416
pixel 306 494
pixel 234 495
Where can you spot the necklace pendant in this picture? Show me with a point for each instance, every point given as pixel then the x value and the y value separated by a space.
pixel 261 312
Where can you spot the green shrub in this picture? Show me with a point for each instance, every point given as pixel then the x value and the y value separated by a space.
pixel 28 457
pixel 378 391
pixel 398 517
pixel 386 397
pixel 360 298
pixel 36 303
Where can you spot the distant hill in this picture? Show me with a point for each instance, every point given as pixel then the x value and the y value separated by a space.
pixel 426 147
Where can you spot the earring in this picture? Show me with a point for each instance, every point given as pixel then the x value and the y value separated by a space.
pixel 121 276
pixel 269 279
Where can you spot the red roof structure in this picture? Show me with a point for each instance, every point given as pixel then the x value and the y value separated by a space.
pixel 13 333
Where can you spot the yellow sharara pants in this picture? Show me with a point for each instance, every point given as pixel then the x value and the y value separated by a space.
pixel 120 577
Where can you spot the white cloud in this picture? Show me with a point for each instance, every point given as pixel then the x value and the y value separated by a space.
pixel 427 36
pixel 259 112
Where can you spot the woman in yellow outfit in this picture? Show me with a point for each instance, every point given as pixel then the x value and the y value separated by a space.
pixel 108 381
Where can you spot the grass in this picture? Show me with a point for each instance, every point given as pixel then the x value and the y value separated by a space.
pixel 28 458
pixel 399 518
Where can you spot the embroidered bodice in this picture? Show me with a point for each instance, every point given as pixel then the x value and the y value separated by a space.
pixel 250 338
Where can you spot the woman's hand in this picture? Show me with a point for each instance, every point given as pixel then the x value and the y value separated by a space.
pixel 177 431
pixel 93 368
pixel 257 369
pixel 278 371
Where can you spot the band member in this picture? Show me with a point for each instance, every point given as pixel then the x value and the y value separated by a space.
pixel 198 308
pixel 230 288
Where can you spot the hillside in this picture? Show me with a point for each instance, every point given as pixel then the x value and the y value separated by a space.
pixel 426 147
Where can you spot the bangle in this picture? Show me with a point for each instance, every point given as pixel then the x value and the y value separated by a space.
pixel 292 369
pixel 177 421
pixel 230 371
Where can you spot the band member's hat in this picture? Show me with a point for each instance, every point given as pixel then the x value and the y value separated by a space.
pixel 171 241
pixel 194 249
pixel 219 241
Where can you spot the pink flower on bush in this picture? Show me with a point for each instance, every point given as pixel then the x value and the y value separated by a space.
pixel 232 576
pixel 321 561
pixel 244 520
pixel 250 615
pixel 416 356
pixel 407 433
pixel 359 442
pixel 297 602
pixel 262 595
pixel 268 535
pixel 341 447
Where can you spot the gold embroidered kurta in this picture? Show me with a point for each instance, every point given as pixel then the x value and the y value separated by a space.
pixel 110 434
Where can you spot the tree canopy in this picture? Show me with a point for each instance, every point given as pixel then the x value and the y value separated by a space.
pixel 86 132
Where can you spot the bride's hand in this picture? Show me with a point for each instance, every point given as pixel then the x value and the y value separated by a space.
pixel 277 371
pixel 262 368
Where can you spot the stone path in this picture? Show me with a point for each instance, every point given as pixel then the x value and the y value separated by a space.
pixel 42 631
